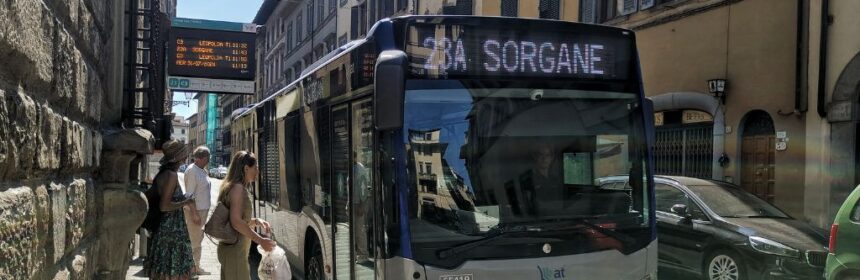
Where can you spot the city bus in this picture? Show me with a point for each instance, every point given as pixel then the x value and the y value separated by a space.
pixel 460 148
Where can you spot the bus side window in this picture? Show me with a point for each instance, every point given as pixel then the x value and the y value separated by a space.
pixel 291 164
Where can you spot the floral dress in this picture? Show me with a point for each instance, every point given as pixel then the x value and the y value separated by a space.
pixel 170 252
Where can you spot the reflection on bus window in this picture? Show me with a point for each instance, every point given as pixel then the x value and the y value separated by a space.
pixel 482 156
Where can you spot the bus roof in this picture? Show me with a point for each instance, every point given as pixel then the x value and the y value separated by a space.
pixel 334 54
pixel 459 18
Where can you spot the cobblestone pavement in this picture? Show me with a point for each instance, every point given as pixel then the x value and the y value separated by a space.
pixel 208 258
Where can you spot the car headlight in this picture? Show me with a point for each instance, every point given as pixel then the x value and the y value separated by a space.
pixel 768 246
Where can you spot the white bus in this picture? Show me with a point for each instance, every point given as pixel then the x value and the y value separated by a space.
pixel 460 148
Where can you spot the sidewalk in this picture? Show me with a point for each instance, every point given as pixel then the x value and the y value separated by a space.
pixel 208 260
pixel 209 256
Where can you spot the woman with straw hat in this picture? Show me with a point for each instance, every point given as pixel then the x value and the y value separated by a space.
pixel 170 253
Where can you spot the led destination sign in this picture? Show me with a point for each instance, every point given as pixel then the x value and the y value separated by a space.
pixel 450 51
pixel 211 54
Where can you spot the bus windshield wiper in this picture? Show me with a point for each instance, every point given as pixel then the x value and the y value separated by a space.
pixel 625 239
pixel 494 233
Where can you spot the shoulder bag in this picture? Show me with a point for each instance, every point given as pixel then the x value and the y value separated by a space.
pixel 219 227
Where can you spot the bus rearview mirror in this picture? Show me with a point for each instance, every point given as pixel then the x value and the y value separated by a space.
pixel 389 86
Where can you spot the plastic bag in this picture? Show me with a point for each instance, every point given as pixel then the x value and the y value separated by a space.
pixel 274 265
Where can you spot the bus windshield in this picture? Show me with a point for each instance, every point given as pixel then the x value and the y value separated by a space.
pixel 487 157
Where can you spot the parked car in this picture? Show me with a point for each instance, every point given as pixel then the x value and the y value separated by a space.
pixel 717 230
pixel 843 261
pixel 219 172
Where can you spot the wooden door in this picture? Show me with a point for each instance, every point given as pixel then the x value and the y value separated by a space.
pixel 757 155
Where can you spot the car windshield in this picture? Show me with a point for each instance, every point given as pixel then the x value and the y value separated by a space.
pixel 732 202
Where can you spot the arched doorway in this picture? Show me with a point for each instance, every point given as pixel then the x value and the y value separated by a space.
pixel 841 167
pixel 684 143
pixel 698 119
pixel 758 140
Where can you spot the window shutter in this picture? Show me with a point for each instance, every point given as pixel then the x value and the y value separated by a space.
pixel 509 8
pixel 645 4
pixel 628 6
pixel 549 9
pixel 588 11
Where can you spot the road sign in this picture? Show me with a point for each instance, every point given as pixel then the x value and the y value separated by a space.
pixel 210 85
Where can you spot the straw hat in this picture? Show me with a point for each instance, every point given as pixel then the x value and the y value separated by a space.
pixel 173 151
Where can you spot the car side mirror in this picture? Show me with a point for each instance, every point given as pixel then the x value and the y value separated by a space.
pixel 681 210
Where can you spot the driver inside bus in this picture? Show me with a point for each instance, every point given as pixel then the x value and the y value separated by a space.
pixel 543 187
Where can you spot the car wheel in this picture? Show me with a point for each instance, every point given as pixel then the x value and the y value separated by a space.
pixel 314 264
pixel 724 265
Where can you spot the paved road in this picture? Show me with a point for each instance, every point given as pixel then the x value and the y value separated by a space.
pixel 209 257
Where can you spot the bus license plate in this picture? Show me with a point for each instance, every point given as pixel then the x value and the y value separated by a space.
pixel 457 277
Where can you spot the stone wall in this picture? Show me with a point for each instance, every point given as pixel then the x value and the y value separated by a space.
pixel 54 61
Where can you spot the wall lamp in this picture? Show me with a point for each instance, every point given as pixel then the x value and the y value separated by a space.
pixel 717 87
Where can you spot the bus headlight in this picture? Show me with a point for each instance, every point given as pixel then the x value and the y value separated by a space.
pixel 768 246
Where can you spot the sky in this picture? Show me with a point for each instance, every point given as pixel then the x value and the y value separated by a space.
pixel 226 10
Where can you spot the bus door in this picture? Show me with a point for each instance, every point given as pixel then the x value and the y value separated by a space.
pixel 352 160
pixel 361 190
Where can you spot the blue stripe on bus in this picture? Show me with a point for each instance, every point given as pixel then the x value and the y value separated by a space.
pixel 402 189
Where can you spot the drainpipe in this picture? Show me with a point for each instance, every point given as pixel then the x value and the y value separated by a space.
pixel 822 59
pixel 800 103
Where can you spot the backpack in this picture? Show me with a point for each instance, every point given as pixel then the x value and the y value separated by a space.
pixel 153 214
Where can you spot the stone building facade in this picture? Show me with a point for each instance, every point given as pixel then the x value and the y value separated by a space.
pixel 67 210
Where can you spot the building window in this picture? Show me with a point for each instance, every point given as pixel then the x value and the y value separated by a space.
pixel 297 70
pixel 341 40
pixel 549 9
pixel 332 4
pixel 605 10
pixel 645 4
pixel 289 42
pixel 310 19
pixel 357 21
pixel 594 11
pixel 321 12
pixel 299 30
pixel 510 8
pixel 461 7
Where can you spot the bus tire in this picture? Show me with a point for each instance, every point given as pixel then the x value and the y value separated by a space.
pixel 314 263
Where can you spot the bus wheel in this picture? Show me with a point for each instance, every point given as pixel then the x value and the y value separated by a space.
pixel 724 264
pixel 314 264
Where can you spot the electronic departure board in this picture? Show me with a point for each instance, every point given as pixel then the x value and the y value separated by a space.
pixel 213 54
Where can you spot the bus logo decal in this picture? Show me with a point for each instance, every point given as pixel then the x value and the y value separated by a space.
pixel 547 273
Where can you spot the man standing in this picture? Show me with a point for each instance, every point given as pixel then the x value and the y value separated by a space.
pixel 198 187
